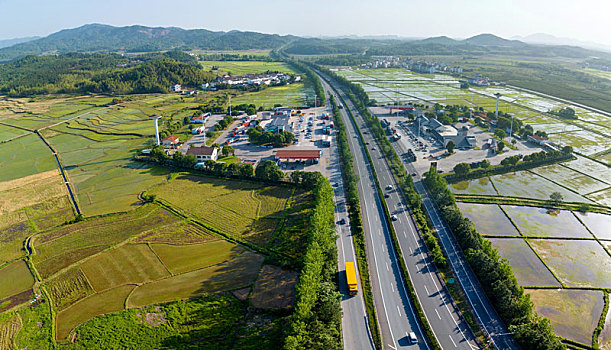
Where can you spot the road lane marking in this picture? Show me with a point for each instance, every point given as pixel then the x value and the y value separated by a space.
pixel 404 234
pixel 387 269
pixel 427 290
pixel 452 341
pixel 437 314
pixel 399 311
pixel 410 250
pixel 392 288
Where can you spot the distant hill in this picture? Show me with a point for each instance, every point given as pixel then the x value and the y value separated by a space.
pixel 11 42
pixel 105 38
pixel 442 40
pixel 547 39
pixel 492 40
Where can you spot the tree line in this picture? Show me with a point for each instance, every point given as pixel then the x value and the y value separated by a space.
pixel 258 136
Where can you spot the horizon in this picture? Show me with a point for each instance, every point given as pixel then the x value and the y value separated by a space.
pixel 387 18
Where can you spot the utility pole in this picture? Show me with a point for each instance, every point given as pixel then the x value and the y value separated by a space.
pixel 498 95
pixel 230 105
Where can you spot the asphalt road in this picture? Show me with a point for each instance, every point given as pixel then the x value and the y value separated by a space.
pixel 394 310
pixel 482 307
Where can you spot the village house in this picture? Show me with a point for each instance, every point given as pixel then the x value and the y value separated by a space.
pixel 203 153
pixel 175 87
pixel 170 141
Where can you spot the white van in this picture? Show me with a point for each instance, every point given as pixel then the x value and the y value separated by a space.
pixel 412 338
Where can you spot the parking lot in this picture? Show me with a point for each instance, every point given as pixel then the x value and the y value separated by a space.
pixel 428 149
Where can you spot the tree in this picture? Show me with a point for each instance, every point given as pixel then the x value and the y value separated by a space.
pixel 461 169
pixel 555 198
pixel 500 146
pixel 450 146
pixel 268 170
pixel 500 133
pixel 567 149
pixel 485 164
pixel 227 150
pixel 567 113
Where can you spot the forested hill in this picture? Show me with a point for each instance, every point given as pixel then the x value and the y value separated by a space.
pixel 105 38
pixel 101 73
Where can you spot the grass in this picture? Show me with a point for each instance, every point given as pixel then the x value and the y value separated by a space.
pixel 36 328
pixel 97 304
pixel 573 313
pixel 488 219
pixel 61 247
pixel 68 288
pixel 233 207
pixel 578 263
pixel 128 264
pixel 19 276
pixel 274 288
pixel 527 267
pixel 538 222
pixel 233 274
pixel 185 258
pixel 598 224
pixel 292 95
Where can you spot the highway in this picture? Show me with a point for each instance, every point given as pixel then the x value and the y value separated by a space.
pixel 484 311
pixel 449 327
pixel 355 331
pixel 394 311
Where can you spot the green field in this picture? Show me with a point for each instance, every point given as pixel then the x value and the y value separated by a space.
pixel 237 208
pixel 527 267
pixel 292 95
pixel 24 156
pixel 16 278
pixel 184 258
pixel 69 244
pixel 112 300
pixel 573 313
pixel 236 273
pixel 488 219
pixel 577 263
pixel 539 222
pixel 128 264
pixel 246 67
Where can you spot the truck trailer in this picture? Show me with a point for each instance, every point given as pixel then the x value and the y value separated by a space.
pixel 351 278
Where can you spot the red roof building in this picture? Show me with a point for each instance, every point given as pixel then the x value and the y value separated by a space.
pixel 298 154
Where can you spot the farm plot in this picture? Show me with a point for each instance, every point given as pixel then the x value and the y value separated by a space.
pixel 488 219
pixel 529 185
pixel 577 263
pixel 477 186
pixel 24 156
pixel 538 222
pixel 274 288
pixel 247 67
pixel 584 142
pixel 61 247
pixel 68 288
pixel 7 132
pixel 112 300
pixel 184 258
pixel 599 224
pixel 573 313
pixel 128 264
pixel 296 94
pixel 182 233
pixel 571 179
pixel 227 205
pixel 9 327
pixel 602 197
pixel 19 276
pixel 591 168
pixel 525 264
pixel 233 274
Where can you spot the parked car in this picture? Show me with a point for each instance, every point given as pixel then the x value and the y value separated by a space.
pixel 412 338
pixel 393 218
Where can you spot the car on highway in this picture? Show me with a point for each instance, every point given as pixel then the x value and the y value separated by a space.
pixel 373 148
pixel 389 187
pixel 393 218
pixel 414 174
pixel 386 195
pixel 342 221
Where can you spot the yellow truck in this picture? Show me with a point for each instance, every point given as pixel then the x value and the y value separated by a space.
pixel 351 278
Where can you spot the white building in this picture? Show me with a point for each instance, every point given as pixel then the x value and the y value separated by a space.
pixel 203 153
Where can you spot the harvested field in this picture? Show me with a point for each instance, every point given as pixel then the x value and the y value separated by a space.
pixel 19 276
pixel 183 233
pixel 112 300
pixel 184 258
pixel 30 190
pixel 488 219
pixel 68 288
pixel 577 263
pixel 538 222
pixel 236 273
pixel 274 288
pixel 527 267
pixel 61 247
pixel 9 328
pixel 599 224
pixel 481 186
pixel 573 313
pixel 128 264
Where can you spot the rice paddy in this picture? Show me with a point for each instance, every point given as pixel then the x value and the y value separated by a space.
pixel 488 219
pixel 540 222
pixel 19 276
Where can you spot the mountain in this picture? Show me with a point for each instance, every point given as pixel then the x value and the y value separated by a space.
pixel 105 38
pixel 442 40
pixel 547 39
pixel 491 40
pixel 11 42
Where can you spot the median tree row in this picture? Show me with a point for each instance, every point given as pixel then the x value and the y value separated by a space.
pixel 356 224
pixel 494 273
pixel 316 320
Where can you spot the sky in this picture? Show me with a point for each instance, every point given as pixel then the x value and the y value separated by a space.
pixel 586 20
